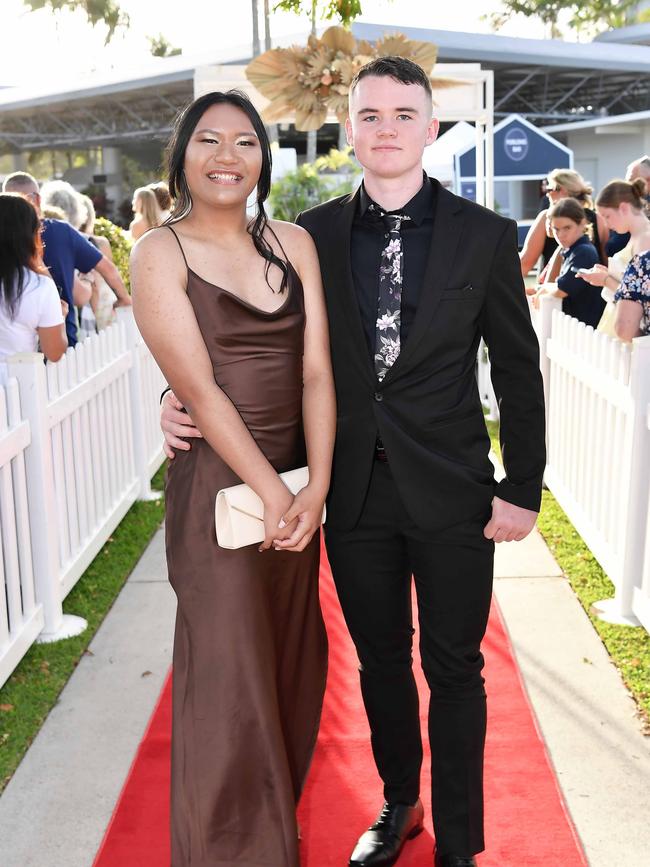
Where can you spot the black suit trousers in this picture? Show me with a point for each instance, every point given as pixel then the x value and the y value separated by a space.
pixel 452 571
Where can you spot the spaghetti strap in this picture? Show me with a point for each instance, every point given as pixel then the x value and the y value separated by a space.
pixel 178 241
pixel 270 228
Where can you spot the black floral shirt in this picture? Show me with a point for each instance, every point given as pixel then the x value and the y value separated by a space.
pixel 635 286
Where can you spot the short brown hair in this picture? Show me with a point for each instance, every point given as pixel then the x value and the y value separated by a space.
pixel 616 192
pixel 569 208
pixel 398 68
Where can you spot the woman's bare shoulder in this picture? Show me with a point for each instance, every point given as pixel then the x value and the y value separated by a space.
pixel 157 251
pixel 296 241
pixel 155 242
pixel 289 232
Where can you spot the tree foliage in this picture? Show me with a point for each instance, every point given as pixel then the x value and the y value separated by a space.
pixel 120 246
pixel 159 46
pixel 108 12
pixel 344 11
pixel 591 15
pixel 312 183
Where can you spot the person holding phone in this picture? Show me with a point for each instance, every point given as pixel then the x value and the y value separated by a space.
pixel 569 226
pixel 623 206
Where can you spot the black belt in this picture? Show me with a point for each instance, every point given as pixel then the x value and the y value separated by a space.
pixel 380 451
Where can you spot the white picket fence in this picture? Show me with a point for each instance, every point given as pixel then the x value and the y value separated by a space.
pixel 79 442
pixel 597 392
pixel 641 594
pixel 598 463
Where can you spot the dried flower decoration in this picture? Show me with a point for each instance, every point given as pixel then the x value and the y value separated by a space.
pixel 313 81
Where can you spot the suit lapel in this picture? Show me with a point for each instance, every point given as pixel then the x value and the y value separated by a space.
pixel 448 222
pixel 342 285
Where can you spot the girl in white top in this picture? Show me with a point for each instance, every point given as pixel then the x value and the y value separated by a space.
pixel 31 311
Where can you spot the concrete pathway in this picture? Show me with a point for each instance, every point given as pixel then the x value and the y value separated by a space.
pixel 585 713
pixel 54 811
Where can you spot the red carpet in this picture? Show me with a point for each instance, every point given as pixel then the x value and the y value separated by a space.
pixel 525 817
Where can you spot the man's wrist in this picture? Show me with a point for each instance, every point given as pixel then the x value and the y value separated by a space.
pixel 162 396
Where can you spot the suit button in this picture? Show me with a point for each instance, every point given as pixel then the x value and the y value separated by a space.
pixel 379 396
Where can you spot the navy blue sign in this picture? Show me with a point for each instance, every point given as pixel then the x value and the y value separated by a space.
pixel 519 150
pixel 516 143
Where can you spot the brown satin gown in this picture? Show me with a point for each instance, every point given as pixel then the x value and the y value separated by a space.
pixel 249 647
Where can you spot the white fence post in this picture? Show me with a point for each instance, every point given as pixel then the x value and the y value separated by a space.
pixel 138 421
pixel 543 325
pixel 29 370
pixel 641 596
pixel 620 608
pixel 21 616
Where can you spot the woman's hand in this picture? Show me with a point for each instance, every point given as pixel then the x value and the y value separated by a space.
pixel 277 524
pixel 596 276
pixel 307 508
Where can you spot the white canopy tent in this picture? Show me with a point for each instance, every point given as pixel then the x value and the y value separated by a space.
pixel 439 157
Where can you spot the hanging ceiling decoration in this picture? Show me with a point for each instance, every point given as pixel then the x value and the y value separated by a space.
pixel 309 82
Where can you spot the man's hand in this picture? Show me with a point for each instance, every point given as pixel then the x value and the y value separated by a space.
pixel 509 523
pixel 175 424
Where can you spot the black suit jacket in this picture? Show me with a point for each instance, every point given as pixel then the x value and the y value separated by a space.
pixel 427 409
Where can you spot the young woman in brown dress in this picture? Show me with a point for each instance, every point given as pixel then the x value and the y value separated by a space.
pixel 240 332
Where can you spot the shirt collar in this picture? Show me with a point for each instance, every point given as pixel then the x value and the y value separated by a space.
pixel 583 239
pixel 418 208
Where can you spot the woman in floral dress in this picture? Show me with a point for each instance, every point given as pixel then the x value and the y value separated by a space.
pixel 621 205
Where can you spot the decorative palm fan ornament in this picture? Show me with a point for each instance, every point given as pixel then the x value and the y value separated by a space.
pixel 312 81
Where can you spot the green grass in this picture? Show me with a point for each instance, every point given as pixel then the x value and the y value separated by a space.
pixel 628 646
pixel 34 687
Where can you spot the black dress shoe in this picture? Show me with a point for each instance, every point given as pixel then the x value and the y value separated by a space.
pixel 454 861
pixel 382 843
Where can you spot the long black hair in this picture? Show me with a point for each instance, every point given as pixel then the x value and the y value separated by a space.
pixel 184 126
pixel 20 247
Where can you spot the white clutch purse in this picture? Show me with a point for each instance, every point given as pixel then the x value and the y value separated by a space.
pixel 239 512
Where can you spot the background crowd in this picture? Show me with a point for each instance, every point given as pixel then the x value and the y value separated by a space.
pixel 595 256
pixel 58 279
pixel 56 270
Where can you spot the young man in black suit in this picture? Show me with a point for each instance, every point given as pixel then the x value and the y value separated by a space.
pixel 414 276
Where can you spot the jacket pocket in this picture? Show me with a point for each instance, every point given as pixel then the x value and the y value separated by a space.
pixel 445 421
pixel 464 293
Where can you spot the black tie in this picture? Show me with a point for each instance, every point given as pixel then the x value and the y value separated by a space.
pixel 389 301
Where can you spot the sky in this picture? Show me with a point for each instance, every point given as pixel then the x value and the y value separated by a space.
pixel 39 46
